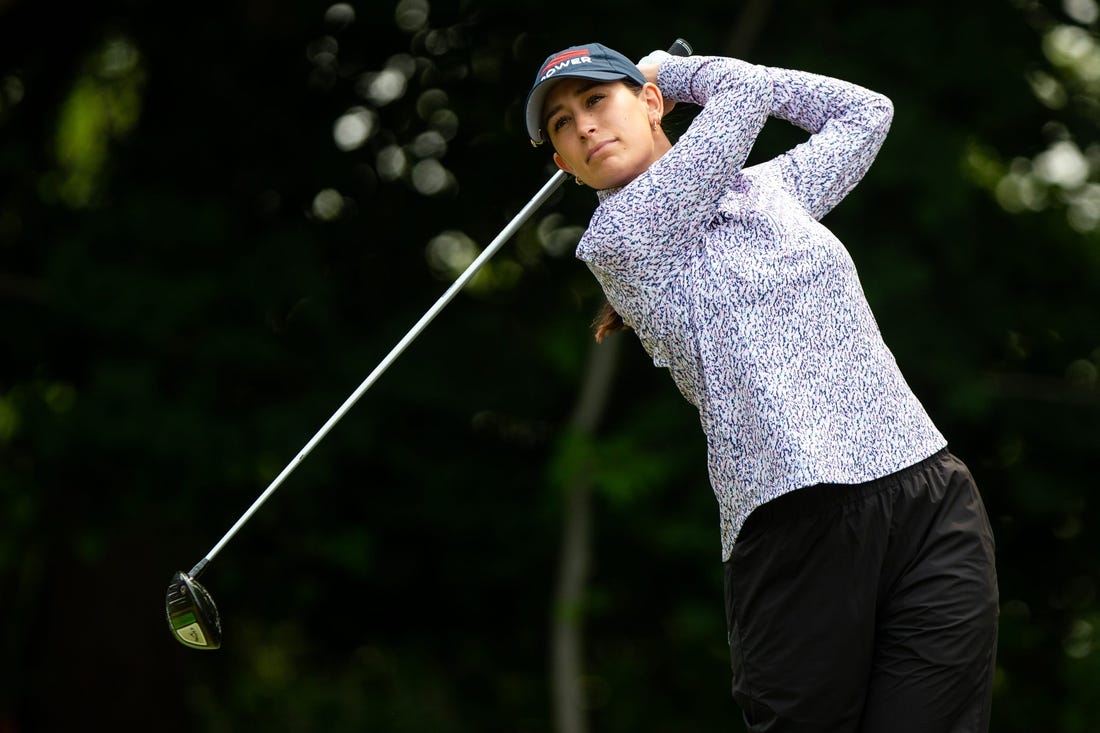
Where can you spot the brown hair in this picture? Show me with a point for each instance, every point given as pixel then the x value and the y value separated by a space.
pixel 607 321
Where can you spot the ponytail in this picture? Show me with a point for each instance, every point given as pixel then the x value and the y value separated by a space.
pixel 607 321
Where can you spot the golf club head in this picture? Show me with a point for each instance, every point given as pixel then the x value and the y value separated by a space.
pixel 192 616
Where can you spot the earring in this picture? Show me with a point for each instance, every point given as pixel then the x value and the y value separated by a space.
pixel 655 122
pixel 578 180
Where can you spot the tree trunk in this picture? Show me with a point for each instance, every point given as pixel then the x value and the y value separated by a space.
pixel 566 649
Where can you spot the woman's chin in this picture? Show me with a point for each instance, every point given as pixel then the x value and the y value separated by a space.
pixel 612 175
pixel 611 180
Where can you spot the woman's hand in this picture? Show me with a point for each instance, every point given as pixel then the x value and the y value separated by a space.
pixel 648 65
pixel 649 71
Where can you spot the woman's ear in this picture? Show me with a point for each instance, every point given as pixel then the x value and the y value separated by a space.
pixel 560 162
pixel 655 101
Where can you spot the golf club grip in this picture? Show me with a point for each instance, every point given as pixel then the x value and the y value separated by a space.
pixel 679 47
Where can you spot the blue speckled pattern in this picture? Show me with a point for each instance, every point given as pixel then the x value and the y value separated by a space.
pixel 732 283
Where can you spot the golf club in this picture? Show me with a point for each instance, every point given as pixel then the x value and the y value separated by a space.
pixel 192 615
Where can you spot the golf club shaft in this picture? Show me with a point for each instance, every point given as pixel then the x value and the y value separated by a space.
pixel 539 199
pixel 678 48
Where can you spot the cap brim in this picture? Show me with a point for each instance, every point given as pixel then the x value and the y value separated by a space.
pixel 537 96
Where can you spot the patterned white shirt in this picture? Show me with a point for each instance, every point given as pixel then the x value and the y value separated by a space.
pixel 733 284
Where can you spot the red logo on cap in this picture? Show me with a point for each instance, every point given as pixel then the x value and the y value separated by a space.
pixel 562 58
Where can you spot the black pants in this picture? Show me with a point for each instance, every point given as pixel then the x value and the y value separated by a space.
pixel 868 607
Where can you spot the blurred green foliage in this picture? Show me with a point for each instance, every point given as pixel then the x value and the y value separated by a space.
pixel 212 228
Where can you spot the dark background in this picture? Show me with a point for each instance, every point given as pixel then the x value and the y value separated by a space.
pixel 194 275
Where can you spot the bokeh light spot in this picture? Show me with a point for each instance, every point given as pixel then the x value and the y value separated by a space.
pixel 354 128
pixel 445 121
pixel 60 397
pixel 1083 11
pixel 382 87
pixel 450 252
pixel 429 145
pixel 429 101
pixel 411 15
pixel 1062 164
pixel 328 205
pixel 429 177
pixel 340 15
pixel 391 163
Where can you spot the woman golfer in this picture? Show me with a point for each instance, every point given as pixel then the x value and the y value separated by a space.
pixel 861 593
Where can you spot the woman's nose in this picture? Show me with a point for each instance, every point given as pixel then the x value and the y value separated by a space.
pixel 584 120
pixel 586 124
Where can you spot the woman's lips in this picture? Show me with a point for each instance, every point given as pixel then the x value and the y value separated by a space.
pixel 597 148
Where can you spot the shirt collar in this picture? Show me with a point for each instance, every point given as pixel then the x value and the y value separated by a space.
pixel 606 193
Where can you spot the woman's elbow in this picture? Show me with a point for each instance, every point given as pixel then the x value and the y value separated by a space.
pixel 882 109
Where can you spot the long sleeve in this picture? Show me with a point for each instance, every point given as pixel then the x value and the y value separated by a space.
pixel 687 182
pixel 848 125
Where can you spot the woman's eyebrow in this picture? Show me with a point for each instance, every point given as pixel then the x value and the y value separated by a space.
pixel 580 90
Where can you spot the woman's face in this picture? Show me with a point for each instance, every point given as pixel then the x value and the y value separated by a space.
pixel 602 132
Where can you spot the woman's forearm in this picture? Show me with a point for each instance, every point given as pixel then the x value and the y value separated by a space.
pixel 848 125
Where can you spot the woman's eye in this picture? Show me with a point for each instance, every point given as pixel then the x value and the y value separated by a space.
pixel 594 98
pixel 559 123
